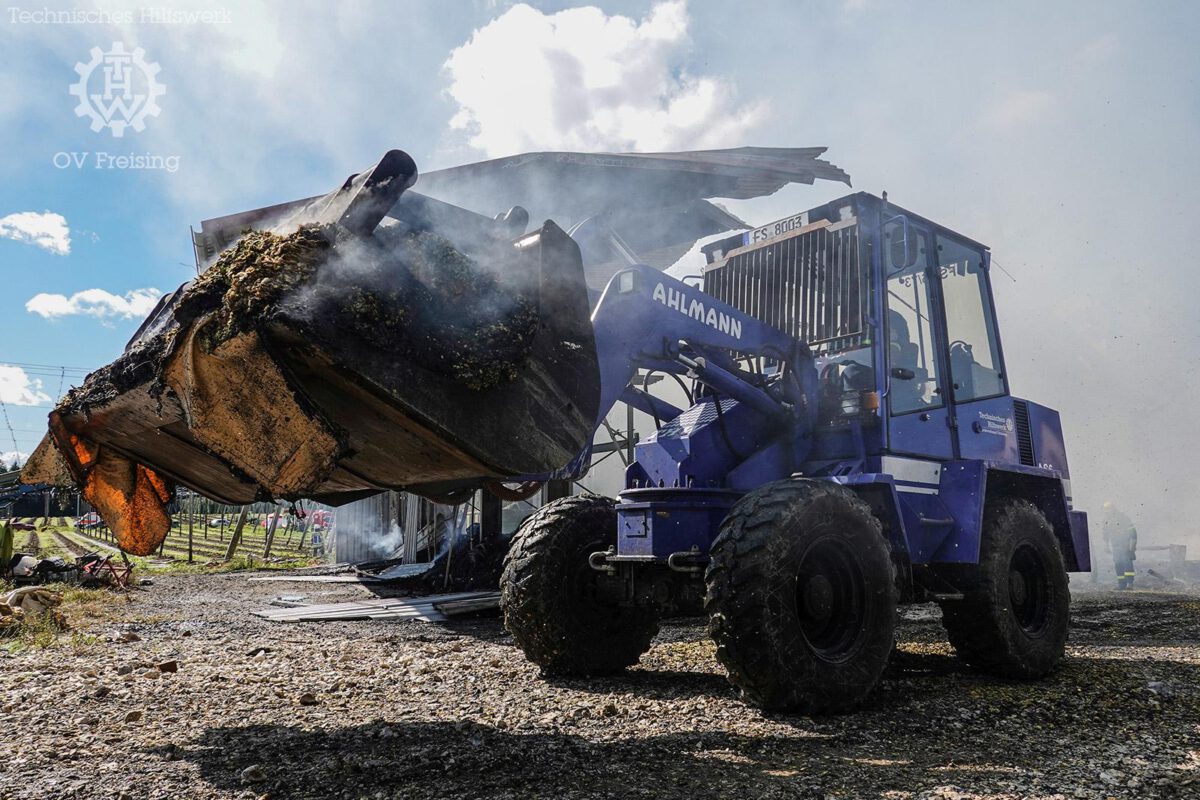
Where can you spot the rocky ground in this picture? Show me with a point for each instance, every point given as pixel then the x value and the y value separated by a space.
pixel 204 700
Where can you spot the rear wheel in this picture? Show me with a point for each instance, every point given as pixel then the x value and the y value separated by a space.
pixel 1014 616
pixel 801 597
pixel 554 603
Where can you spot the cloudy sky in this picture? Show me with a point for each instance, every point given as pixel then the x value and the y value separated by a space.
pixel 1064 135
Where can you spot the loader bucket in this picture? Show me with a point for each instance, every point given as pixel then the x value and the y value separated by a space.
pixel 351 344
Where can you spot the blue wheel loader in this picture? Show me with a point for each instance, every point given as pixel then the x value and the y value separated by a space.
pixel 848 441
pixel 840 437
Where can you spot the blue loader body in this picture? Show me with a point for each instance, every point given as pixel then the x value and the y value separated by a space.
pixel 843 438
pixel 929 472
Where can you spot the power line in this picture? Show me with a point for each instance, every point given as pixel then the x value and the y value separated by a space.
pixel 55 367
pixel 11 432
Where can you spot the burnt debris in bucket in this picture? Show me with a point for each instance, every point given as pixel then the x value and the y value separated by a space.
pixel 332 356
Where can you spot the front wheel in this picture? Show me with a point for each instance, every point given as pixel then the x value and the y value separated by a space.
pixel 553 601
pixel 801 597
pixel 1013 618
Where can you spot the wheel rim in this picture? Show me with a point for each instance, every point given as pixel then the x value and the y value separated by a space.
pixel 831 598
pixel 1028 590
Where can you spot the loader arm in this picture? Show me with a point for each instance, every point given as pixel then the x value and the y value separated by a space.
pixel 647 320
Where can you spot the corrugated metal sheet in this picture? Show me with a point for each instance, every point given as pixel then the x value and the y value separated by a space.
pixel 360 525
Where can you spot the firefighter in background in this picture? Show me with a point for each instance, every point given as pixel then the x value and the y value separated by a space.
pixel 1121 538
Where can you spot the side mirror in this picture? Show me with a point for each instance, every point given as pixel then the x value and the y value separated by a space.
pixel 902 243
pixel 900 373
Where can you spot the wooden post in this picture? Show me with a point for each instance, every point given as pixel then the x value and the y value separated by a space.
pixel 190 515
pixel 6 545
pixel 237 533
pixel 271 534
pixel 490 517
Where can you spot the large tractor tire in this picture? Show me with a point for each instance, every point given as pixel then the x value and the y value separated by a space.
pixel 802 597
pixel 548 592
pixel 1013 618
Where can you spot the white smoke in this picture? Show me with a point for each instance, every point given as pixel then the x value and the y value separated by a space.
pixel 388 545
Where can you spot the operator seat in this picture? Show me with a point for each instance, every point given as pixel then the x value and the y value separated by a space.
pixel 963 366
pixel 903 352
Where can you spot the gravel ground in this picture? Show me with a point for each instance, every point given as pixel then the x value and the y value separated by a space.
pixel 409 709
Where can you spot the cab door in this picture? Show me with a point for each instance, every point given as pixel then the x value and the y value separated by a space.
pixel 919 416
pixel 980 405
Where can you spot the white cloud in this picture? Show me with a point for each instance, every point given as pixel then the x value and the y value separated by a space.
pixel 95 303
pixel 9 456
pixel 47 230
pixel 1019 108
pixel 18 389
pixel 580 79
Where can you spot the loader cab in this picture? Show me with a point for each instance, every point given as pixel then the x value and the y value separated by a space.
pixel 899 315
pixel 941 348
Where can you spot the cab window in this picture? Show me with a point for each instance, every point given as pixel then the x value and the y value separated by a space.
pixel 912 355
pixel 975 368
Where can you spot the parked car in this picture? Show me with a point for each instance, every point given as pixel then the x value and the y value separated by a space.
pixel 89 521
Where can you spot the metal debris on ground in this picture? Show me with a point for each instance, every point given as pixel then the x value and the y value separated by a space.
pixel 434 608
pixel 402 571
pixel 314 579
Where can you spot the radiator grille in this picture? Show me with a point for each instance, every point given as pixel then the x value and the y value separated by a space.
pixel 1024 436
pixel 812 285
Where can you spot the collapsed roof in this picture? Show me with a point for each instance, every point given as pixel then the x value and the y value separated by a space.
pixel 625 207
pixel 620 207
pixel 571 186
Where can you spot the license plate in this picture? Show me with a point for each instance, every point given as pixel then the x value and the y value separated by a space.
pixel 773 229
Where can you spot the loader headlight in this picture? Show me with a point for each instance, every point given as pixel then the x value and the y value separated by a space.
pixel 626 282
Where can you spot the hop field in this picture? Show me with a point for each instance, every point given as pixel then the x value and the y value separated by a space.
pixel 58 537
